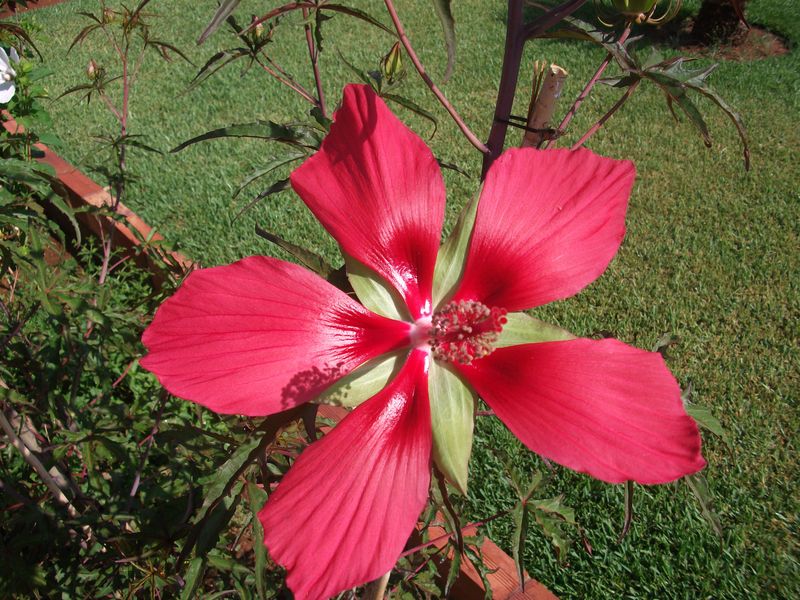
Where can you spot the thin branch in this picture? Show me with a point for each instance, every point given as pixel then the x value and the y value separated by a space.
pixel 398 25
pixel 278 73
pixel 586 90
pixel 447 536
pixel 551 18
pixel 313 54
pixel 606 116
pixel 149 441
pixel 37 466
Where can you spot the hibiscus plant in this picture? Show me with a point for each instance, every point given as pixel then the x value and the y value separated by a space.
pixel 409 339
pixel 418 336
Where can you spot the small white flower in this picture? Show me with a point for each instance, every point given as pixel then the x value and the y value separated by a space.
pixel 7 75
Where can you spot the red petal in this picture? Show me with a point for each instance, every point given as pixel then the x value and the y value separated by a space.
pixel 548 224
pixel 598 407
pixel 260 336
pixel 377 188
pixel 344 511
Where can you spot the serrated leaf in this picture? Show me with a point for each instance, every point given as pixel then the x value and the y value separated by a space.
pixel 699 486
pixel 551 515
pixel 452 405
pixel 226 7
pixel 374 292
pixel 521 328
pixel 453 571
pixel 445 14
pixel 308 259
pixel 215 63
pixel 297 135
pixel 358 14
pixel 520 517
pixel 278 186
pixel 218 483
pixel 734 116
pixel 257 498
pixel 453 254
pixel 364 382
pixel 268 168
pixel 415 108
pixel 193 577
pixel 707 420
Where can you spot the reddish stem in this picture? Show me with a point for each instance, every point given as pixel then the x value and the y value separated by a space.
pixel 398 25
pixel 586 90
pixel 278 73
pixel 593 129
pixel 447 536
pixel 313 54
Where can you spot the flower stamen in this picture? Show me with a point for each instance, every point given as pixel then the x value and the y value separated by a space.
pixel 465 330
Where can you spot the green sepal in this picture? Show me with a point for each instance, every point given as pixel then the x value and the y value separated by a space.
pixel 374 291
pixel 453 254
pixel 524 329
pixel 452 419
pixel 364 382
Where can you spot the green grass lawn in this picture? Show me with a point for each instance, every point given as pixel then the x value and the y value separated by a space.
pixel 711 256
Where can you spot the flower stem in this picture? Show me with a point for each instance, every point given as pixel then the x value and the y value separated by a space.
pixel 590 85
pixel 593 129
pixel 313 53
pixel 398 25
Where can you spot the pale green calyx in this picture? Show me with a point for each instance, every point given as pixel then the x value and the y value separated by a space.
pixel 452 420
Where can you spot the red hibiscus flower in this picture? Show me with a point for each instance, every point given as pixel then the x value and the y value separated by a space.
pixel 436 328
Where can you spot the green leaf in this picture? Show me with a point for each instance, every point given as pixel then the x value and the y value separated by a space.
pixel 269 168
pixel 452 421
pixel 296 135
pixel 551 515
pixel 445 14
pixel 215 63
pixel 699 486
pixel 226 7
pixel 707 420
pixel 414 107
pixel 308 259
pixel 218 483
pixel 521 522
pixel 364 382
pixel 278 186
pixel 358 14
pixel 193 577
pixel 374 292
pixel 453 254
pixel 521 328
pixel 257 499
pixel 453 571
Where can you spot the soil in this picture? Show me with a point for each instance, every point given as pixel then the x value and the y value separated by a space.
pixel 757 43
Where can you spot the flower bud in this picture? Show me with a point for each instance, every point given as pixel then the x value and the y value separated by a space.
pixel 392 67
pixel 92 70
pixel 634 8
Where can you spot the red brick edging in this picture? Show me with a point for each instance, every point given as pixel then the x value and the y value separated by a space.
pixel 84 192
pixel 10 8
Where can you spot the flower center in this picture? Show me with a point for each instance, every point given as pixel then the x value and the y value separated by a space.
pixel 463 331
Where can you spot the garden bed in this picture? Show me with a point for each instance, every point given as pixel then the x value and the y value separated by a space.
pixel 709 258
